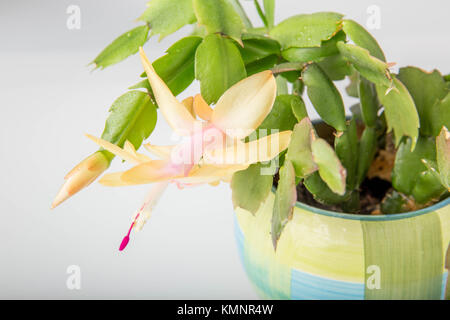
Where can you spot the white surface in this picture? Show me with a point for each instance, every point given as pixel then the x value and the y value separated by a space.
pixel 49 99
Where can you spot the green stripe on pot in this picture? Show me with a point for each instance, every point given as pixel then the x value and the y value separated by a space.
pixel 409 265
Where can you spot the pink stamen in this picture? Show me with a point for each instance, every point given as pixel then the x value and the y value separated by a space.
pixel 126 239
pixel 153 196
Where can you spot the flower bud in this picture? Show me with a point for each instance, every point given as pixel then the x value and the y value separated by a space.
pixel 86 172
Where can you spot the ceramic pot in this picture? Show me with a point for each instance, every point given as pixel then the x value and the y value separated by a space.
pixel 328 255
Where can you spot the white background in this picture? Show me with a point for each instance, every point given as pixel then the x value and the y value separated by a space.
pixel 48 99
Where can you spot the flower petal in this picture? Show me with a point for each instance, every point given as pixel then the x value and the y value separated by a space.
pixel 201 108
pixel 175 113
pixel 150 202
pixel 189 104
pixel 81 176
pixel 263 149
pixel 129 147
pixel 162 152
pixel 114 180
pixel 152 171
pixel 210 173
pixel 124 154
pixel 244 106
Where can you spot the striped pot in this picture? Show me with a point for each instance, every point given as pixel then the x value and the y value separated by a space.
pixel 327 255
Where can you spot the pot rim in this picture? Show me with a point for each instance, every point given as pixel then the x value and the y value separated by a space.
pixel 383 217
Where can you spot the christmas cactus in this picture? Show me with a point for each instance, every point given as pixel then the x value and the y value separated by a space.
pixel 389 155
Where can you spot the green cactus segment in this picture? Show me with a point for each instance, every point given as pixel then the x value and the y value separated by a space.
pixel 367 150
pixel 428 90
pixel 281 117
pixel 353 87
pixel 369 102
pixel 440 115
pixel 261 65
pixel 167 16
pixel 176 67
pixel 371 68
pixel 257 47
pixel 336 67
pixel 219 16
pixel 315 54
pixel 307 30
pixel 121 48
pixel 400 111
pixel 409 165
pixel 346 146
pixel 285 199
pixel 298 108
pixel 282 85
pixel 321 192
pixel 330 168
pixel 269 10
pixel 132 117
pixel 299 150
pixel 443 157
pixel 218 65
pixel 363 39
pixel 428 187
pixel 250 188
pixel 298 87
pixel 390 275
pixel 394 202
pixel 324 96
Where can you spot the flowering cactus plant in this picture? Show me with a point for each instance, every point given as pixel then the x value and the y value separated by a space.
pixel 249 125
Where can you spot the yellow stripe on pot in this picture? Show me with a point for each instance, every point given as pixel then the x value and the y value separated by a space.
pixel 324 246
pixel 316 244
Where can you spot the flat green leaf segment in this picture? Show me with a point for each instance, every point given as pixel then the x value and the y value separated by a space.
pixel 250 188
pixel 299 151
pixel 368 101
pixel 363 39
pixel 269 10
pixel 218 65
pixel 428 90
pixel 400 111
pixel 409 165
pixel 285 199
pixel 394 202
pixel 307 30
pixel 167 16
pixel 322 192
pixel 327 48
pixel 346 147
pixel 176 67
pixel 366 153
pixel 257 47
pixel 440 115
pixel 443 157
pixel 282 116
pixel 219 16
pixel 324 96
pixel 389 275
pixel 121 48
pixel 371 68
pixel 330 168
pixel 259 53
pixel 132 117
